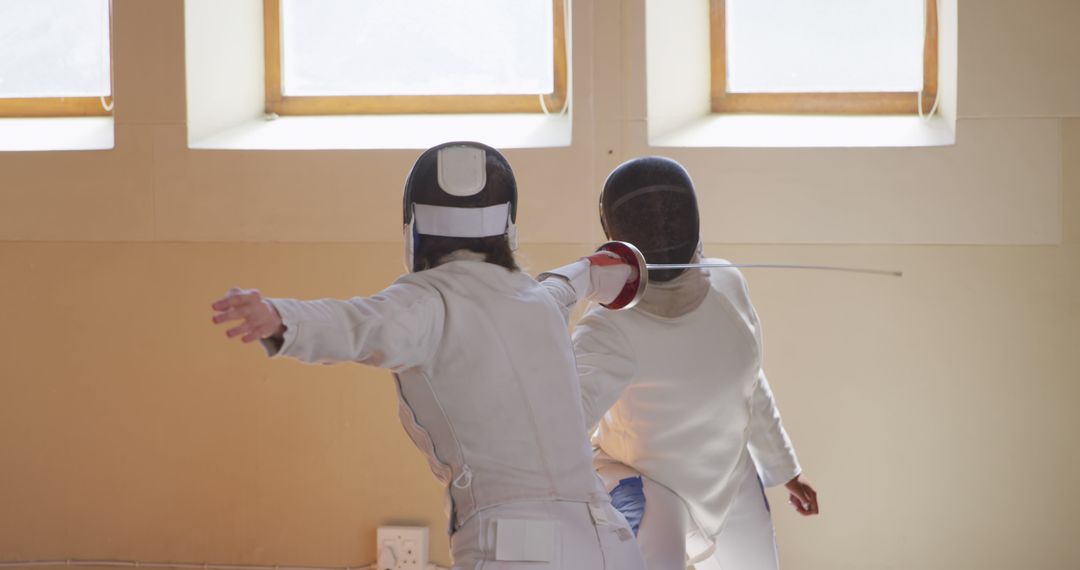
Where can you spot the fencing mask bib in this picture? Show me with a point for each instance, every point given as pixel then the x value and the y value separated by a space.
pixel 460 190
pixel 650 202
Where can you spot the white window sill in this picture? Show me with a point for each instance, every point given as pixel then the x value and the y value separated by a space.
pixel 391 131
pixel 798 131
pixel 68 133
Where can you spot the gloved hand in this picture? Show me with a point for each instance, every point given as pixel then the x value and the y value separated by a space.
pixel 609 276
pixel 634 274
pixel 608 259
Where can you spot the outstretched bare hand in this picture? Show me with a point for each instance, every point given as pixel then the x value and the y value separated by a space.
pixel 259 317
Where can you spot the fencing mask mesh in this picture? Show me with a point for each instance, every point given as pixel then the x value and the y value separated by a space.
pixel 650 202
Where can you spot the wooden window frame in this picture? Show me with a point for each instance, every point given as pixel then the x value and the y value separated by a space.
pixel 855 103
pixel 44 107
pixel 280 104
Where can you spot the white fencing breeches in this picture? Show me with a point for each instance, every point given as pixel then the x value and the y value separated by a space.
pixel 546 535
pixel 746 540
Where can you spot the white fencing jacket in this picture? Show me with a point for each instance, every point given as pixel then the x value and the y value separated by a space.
pixel 689 402
pixel 485 374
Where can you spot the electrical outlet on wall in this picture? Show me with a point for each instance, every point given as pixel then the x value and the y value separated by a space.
pixel 402 548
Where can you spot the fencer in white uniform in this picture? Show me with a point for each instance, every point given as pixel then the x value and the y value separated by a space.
pixel 688 430
pixel 484 367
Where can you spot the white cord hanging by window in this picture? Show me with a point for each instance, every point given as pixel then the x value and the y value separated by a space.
pixel 937 95
pixel 569 68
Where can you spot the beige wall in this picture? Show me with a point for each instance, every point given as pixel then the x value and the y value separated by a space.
pixel 934 413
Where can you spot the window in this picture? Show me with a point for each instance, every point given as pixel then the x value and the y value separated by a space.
pixel 415 56
pixel 54 58
pixel 825 57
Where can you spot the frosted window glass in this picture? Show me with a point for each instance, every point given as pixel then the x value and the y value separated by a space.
pixel 54 48
pixel 417 47
pixel 825 45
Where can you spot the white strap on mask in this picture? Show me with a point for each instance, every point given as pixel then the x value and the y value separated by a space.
pixel 461 222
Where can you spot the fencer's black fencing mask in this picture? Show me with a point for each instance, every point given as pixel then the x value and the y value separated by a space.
pixel 650 202
pixel 459 189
